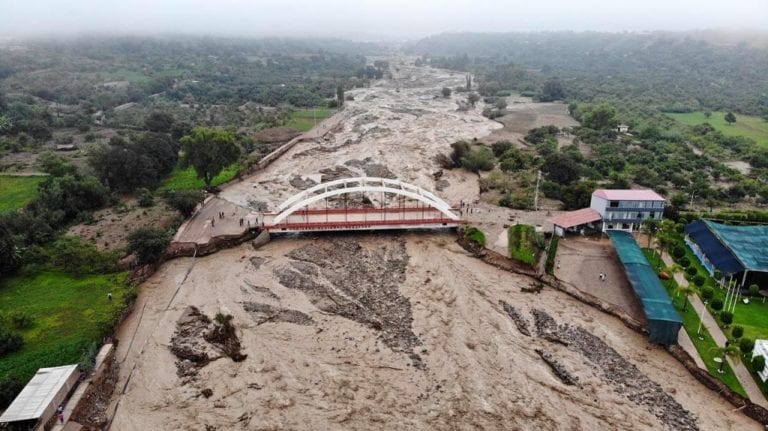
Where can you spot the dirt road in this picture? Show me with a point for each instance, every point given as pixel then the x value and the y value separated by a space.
pixel 391 331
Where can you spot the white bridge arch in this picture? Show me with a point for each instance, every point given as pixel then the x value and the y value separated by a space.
pixel 361 185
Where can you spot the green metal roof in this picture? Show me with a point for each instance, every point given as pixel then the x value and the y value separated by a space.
pixel 748 243
pixel 656 302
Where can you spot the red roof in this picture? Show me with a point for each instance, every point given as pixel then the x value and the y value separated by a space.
pixel 628 195
pixel 575 218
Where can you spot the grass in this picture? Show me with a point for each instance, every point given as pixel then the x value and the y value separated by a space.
pixel 706 346
pixel 476 235
pixel 304 119
pixel 749 127
pixel 186 178
pixel 69 314
pixel 522 243
pixel 15 192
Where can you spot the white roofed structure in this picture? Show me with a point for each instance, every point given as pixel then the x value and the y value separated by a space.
pixel 42 395
pixel 761 349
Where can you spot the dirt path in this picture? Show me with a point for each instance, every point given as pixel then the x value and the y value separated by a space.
pixel 391 331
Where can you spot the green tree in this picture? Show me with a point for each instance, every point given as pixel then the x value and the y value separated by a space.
pixel 651 228
pixel 184 201
pixel 730 118
pixel 686 290
pixel 707 294
pixel 148 244
pixel 746 345
pixel 479 159
pixel 754 290
pixel 10 254
pixel 726 317
pixel 340 95
pixel 552 90
pixel 600 117
pixel 716 304
pixel 758 363
pixel 501 104
pixel 159 122
pixel 209 151
pixel 446 92
pixel 737 331
pixel 561 168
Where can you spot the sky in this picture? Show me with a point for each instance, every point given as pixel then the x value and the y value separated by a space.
pixel 370 19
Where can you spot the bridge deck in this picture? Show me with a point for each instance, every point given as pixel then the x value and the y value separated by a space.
pixel 361 219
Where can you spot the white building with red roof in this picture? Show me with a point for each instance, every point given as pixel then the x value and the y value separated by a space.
pixel 623 210
pixel 626 209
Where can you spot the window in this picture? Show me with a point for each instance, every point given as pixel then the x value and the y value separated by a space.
pixel 614 204
pixel 640 216
pixel 652 215
pixel 625 225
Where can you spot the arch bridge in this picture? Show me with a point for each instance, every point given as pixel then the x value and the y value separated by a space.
pixel 416 208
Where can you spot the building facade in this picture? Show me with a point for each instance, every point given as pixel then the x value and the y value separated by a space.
pixel 626 210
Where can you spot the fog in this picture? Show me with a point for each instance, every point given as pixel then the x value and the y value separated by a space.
pixel 370 19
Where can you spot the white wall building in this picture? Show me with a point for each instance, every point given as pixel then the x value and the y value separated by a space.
pixel 626 210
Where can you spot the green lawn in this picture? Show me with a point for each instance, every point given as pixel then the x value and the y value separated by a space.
pixel 15 192
pixel 691 321
pixel 522 243
pixel 186 179
pixel 69 314
pixel 749 127
pixel 304 119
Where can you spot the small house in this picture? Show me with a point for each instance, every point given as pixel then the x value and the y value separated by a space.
pixel 622 128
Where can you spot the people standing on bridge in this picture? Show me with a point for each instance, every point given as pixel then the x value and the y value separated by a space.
pixel 213 222
pixel 241 222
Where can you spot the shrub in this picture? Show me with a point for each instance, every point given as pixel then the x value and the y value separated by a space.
pixel 754 289
pixel 500 147
pixel 746 345
pixel 758 363
pixel 716 304
pixel 10 386
pixel 21 321
pixel 145 197
pixel 678 252
pixel 707 293
pixel 551 253
pixel 9 342
pixel 737 331
pixel 148 244
pixel 717 275
pixel 88 360
pixel 475 235
pixel 698 280
pixel 184 201
pixel 726 317
pixel 684 262
pixel 479 159
pixel 691 271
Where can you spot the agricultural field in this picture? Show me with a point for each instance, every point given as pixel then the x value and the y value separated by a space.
pixel 304 119
pixel 749 127
pixel 15 192
pixel 68 314
pixel 186 178
pixel 523 243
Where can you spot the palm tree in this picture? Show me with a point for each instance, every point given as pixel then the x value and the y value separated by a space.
pixel 650 228
pixel 731 350
pixel 686 290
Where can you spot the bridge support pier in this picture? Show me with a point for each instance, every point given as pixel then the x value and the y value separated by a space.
pixel 261 239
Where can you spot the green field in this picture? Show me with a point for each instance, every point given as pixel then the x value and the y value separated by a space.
pixel 69 314
pixel 304 119
pixel 749 127
pixel 15 192
pixel 186 179
pixel 522 243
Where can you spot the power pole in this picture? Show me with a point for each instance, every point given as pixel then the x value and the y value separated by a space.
pixel 536 194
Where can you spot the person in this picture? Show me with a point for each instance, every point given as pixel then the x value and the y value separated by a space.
pixel 558 265
pixel 213 222
pixel 109 296
pixel 60 413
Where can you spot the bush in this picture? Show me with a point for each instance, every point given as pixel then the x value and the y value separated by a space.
pixel 707 293
pixel 88 360
pixel 754 290
pixel 699 280
pixel 758 363
pixel 184 201
pixel 717 274
pixel 691 271
pixel 746 345
pixel 475 235
pixel 145 197
pixel 9 342
pixel 479 159
pixel 148 244
pixel 726 317
pixel 716 304
pixel 21 321
pixel 10 386
pixel 684 262
pixel 678 252
pixel 551 253
pixel 501 147
pixel 737 331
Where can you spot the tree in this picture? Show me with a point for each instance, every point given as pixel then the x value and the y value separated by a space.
pixel 707 294
pixel 159 122
pixel 721 352
pixel 446 92
pixel 686 290
pixel 340 95
pixel 148 244
pixel 10 254
pixel 707 113
pixel 716 304
pixel 501 104
pixel 479 159
pixel 577 194
pixel 472 98
pixel 552 90
pixel 737 331
pixel 209 151
pixel 600 117
pixel 561 168
pixel 726 317
pixel 730 118
pixel 754 290
pixel 651 228
pixel 758 363
pixel 184 201
pixel 746 345
pixel 679 200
